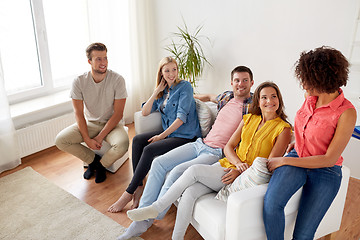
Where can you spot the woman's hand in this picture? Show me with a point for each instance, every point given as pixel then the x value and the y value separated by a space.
pixel 161 86
pixel 242 166
pixel 155 138
pixel 230 176
pixel 290 147
pixel 274 163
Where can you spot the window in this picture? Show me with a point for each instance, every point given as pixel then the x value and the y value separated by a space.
pixel 18 47
pixel 68 35
pixel 43 43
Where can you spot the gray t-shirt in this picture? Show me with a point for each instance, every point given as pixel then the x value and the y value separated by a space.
pixel 99 97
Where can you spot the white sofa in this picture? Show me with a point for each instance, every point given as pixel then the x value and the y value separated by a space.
pixel 241 216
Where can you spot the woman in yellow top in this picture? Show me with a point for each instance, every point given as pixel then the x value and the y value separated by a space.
pixel 262 133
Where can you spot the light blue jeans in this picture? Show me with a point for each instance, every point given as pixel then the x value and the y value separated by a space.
pixel 320 186
pixel 175 162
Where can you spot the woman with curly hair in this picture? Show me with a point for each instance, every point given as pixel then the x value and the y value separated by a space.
pixel 323 127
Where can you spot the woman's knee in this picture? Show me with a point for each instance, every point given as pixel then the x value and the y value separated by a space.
pixel 138 140
pixel 190 195
pixel 193 171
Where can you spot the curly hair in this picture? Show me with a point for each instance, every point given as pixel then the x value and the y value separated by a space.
pixel 255 105
pixel 324 69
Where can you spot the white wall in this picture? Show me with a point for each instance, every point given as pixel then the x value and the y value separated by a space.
pixel 266 36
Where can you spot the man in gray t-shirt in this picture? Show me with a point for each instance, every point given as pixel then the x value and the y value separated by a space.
pixel 98 98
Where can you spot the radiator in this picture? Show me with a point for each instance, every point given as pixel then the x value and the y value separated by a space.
pixel 40 136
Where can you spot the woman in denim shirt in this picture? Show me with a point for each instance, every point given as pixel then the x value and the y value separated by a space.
pixel 173 98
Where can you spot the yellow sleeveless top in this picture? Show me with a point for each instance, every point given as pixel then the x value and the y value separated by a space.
pixel 256 143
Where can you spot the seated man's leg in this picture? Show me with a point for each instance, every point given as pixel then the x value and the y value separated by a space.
pixel 70 139
pixel 159 168
pixel 119 142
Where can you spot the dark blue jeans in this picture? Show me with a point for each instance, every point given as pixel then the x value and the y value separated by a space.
pixel 320 186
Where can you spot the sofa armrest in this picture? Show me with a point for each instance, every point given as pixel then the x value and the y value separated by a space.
pixel 244 219
pixel 244 214
pixel 149 123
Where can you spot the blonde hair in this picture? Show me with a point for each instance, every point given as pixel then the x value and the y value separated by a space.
pixel 162 63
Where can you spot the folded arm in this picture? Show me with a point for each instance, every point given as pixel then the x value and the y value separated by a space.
pixel 343 132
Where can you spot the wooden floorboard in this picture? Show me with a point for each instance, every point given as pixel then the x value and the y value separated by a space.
pixel 66 171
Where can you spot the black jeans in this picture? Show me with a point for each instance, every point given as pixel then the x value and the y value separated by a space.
pixel 143 153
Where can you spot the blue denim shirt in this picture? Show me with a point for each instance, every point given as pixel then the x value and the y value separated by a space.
pixel 180 104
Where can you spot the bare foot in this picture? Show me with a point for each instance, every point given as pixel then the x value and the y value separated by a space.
pixel 137 196
pixel 121 202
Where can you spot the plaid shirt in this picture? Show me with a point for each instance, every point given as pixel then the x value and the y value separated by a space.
pixel 223 98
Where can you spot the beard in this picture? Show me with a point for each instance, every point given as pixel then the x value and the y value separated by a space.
pixel 100 71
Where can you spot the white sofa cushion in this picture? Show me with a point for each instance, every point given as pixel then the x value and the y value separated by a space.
pixel 205 117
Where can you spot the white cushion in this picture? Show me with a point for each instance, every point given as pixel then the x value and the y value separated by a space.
pixel 256 174
pixel 149 123
pixel 205 117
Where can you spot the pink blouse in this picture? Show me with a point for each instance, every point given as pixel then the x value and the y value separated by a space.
pixel 315 128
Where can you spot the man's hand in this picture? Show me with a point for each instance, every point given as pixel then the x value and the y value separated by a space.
pixel 99 140
pixel 93 144
pixel 230 176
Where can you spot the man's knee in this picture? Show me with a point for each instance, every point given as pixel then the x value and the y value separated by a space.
pixel 177 171
pixel 159 161
pixel 61 140
pixel 121 147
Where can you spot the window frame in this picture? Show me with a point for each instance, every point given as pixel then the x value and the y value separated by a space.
pixel 40 34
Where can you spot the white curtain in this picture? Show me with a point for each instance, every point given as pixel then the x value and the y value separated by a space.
pixel 131 56
pixel 9 153
pixel 143 60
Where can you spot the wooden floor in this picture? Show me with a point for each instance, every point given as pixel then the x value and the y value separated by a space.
pixel 66 171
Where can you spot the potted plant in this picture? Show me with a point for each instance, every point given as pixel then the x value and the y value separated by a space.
pixel 188 53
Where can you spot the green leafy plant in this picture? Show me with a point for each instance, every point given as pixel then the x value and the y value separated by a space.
pixel 188 53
